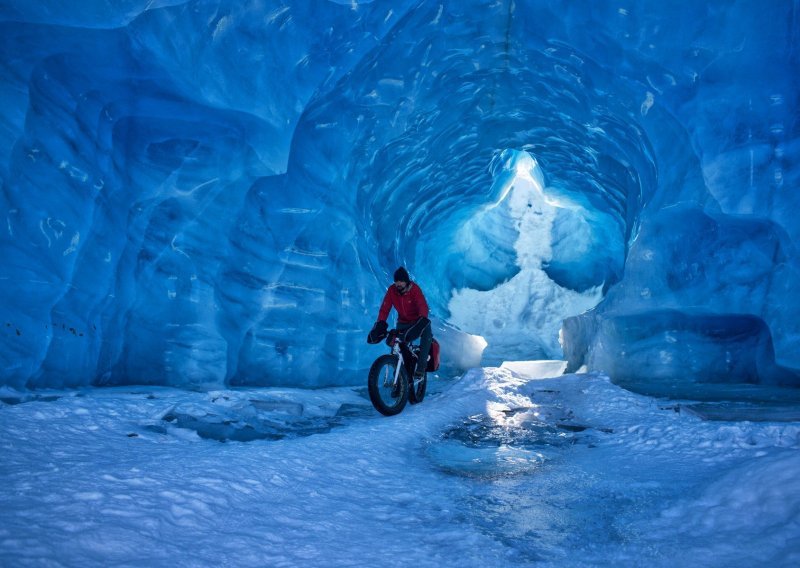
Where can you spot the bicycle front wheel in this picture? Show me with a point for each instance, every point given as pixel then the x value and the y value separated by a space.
pixel 387 397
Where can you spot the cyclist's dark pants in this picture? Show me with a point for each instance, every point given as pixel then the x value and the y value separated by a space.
pixel 422 329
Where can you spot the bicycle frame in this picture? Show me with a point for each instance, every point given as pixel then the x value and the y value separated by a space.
pixel 396 350
pixel 404 351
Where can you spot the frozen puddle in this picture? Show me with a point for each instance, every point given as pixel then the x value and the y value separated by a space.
pixel 483 462
pixel 505 442
pixel 242 416
pixel 516 435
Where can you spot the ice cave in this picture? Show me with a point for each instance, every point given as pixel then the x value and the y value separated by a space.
pixel 216 193
pixel 213 195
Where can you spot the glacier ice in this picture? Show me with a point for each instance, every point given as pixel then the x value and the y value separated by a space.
pixel 711 310
pixel 214 193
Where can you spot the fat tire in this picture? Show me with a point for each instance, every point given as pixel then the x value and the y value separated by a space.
pixel 374 388
pixel 415 396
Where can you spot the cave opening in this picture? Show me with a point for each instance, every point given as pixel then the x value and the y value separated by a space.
pixel 498 259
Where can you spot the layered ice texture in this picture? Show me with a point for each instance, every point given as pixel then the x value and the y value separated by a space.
pixel 215 193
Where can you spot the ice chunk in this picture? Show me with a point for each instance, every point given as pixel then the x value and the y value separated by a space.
pixel 536 369
pixel 675 349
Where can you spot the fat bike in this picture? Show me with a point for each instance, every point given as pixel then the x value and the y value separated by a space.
pixel 391 378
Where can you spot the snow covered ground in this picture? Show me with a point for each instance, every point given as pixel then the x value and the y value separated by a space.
pixel 492 469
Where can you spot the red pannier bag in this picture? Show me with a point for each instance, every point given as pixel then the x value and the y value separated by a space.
pixel 433 357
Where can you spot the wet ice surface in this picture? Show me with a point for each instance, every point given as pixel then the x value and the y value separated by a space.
pixel 506 440
pixel 491 469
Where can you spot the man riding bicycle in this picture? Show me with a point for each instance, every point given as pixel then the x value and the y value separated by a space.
pixel 407 298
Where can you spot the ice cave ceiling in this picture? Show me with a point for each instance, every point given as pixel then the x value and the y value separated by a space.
pixel 216 192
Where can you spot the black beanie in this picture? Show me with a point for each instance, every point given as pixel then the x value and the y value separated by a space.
pixel 401 275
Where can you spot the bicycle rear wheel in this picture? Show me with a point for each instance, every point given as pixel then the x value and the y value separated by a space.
pixel 417 389
pixel 381 386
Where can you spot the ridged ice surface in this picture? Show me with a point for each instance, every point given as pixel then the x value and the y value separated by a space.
pixel 215 193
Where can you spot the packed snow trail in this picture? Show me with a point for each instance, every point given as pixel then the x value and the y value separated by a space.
pixel 492 469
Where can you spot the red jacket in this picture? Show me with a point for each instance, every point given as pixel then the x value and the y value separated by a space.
pixel 410 306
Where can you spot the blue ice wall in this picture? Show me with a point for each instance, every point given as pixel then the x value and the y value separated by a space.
pixel 215 192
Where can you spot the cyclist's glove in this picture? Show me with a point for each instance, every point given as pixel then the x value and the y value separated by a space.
pixel 378 332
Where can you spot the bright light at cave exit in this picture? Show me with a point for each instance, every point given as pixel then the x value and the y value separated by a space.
pixel 526 173
pixel 520 318
pixel 524 167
